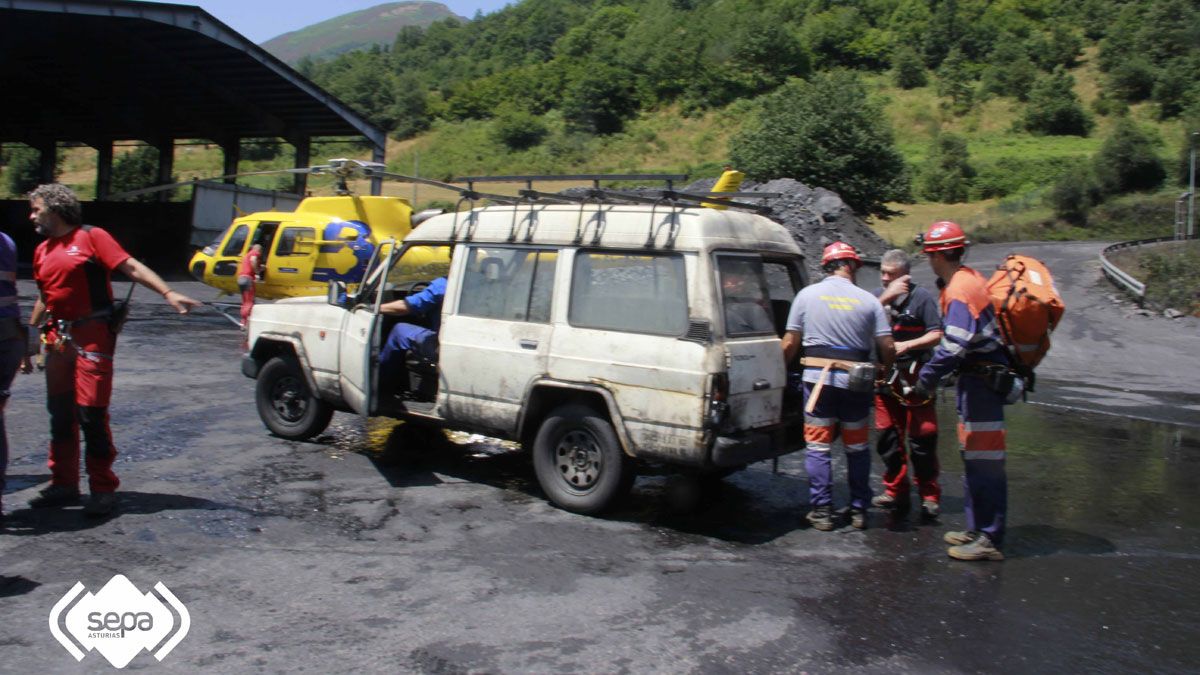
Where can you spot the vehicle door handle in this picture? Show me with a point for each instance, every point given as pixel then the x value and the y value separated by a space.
pixel 528 344
pixel 759 385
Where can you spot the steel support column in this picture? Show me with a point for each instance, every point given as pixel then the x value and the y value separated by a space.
pixel 233 154
pixel 166 166
pixel 303 150
pixel 377 155
pixel 104 165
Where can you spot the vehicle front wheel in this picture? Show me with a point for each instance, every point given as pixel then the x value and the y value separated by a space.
pixel 285 403
pixel 579 461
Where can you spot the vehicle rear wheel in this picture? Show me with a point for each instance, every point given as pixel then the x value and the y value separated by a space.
pixel 285 403
pixel 579 461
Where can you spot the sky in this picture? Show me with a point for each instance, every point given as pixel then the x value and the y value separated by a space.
pixel 261 20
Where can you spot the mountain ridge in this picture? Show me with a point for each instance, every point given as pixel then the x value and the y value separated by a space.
pixel 355 30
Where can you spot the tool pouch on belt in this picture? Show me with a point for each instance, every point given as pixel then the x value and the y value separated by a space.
pixel 1002 380
pixel 862 377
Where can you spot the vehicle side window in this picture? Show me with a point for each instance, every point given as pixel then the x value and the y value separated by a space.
pixel 783 283
pixel 237 241
pixel 631 293
pixel 289 237
pixel 512 284
pixel 744 295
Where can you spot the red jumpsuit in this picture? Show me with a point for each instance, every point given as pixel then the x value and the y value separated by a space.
pixel 74 274
pixel 247 272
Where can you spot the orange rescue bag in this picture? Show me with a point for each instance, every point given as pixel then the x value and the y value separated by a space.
pixel 1028 308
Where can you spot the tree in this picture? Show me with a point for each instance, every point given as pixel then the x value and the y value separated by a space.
pixel 22 169
pixel 908 70
pixel 826 133
pixel 1054 108
pixel 135 170
pixel 599 98
pixel 954 82
pixel 1128 162
pixel 946 176
pixel 1010 71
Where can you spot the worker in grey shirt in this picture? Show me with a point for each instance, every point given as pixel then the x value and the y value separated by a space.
pixel 837 324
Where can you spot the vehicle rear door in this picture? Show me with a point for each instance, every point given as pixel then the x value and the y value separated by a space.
pixel 755 294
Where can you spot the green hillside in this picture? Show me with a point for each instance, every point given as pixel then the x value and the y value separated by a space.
pixel 357 30
pixel 1021 118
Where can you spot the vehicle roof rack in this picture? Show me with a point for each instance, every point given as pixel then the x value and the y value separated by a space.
pixel 599 194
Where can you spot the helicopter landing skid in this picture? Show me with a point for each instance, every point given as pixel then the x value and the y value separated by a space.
pixel 229 310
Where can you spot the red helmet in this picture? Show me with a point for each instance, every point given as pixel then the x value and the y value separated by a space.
pixel 839 250
pixel 943 236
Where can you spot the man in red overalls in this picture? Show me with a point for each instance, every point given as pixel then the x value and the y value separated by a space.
pixel 73 269
pixel 248 272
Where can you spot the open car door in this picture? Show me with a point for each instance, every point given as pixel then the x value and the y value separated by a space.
pixel 360 343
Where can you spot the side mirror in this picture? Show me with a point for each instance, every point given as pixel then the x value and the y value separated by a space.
pixel 336 295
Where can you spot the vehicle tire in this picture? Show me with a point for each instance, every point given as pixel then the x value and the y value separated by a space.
pixel 579 461
pixel 285 403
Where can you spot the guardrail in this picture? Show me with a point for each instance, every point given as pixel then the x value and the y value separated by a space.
pixel 1121 278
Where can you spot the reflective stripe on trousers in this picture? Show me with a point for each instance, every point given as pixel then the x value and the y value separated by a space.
pixel 982 435
pixel 838 412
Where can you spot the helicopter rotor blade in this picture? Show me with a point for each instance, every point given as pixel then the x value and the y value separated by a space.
pixel 172 186
pixel 470 194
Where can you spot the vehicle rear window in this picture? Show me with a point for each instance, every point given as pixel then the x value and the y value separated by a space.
pixel 635 293
pixel 744 296
pixel 755 294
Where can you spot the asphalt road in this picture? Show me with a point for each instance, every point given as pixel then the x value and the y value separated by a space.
pixel 373 550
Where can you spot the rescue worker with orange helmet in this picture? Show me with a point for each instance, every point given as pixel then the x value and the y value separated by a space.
pixel 972 346
pixel 837 324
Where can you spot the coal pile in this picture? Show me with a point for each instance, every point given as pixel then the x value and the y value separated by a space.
pixel 816 217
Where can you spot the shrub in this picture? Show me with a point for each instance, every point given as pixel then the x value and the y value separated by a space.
pixel 135 170
pixel 22 170
pixel 1074 195
pixel 517 129
pixel 946 175
pixel 1054 108
pixel 1128 162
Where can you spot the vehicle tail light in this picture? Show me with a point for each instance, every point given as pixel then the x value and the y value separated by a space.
pixel 718 407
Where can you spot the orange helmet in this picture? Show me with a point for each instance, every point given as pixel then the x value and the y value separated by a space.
pixel 839 250
pixel 943 236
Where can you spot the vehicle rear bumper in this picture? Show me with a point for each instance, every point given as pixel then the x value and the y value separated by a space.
pixel 741 449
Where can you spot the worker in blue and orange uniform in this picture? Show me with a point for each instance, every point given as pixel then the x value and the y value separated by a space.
pixel 75 310
pixel 908 428
pixel 972 346
pixel 837 325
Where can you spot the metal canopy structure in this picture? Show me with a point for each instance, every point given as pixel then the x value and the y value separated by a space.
pixel 94 71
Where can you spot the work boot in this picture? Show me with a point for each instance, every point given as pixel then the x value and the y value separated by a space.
pixel 101 504
pixel 884 501
pixel 858 519
pixel 930 509
pixel 821 518
pixel 961 537
pixel 979 548
pixel 55 495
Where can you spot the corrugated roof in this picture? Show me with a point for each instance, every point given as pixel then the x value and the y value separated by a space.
pixel 82 70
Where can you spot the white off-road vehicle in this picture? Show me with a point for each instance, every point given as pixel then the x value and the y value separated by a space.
pixel 599 336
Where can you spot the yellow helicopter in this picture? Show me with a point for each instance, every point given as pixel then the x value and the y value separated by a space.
pixel 325 239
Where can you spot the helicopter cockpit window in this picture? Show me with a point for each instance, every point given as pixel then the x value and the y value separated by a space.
pixel 237 241
pixel 289 238
pixel 418 264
